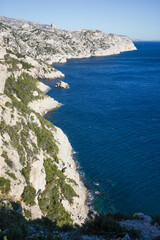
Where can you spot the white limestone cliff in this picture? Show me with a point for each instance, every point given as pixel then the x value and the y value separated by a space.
pixel 12 118
pixel 25 54
pixel 59 45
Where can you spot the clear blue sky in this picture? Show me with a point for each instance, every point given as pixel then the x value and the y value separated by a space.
pixel 139 19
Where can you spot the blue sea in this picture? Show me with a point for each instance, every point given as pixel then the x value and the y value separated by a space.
pixel 111 115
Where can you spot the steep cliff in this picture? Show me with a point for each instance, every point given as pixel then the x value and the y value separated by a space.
pixel 33 152
pixel 36 165
pixel 59 45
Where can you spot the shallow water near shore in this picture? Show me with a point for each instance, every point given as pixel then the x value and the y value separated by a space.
pixel 111 115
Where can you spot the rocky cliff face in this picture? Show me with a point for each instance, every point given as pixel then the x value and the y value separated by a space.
pixel 36 165
pixel 59 45
pixel 20 22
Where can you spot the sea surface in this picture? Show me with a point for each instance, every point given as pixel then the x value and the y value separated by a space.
pixel 111 115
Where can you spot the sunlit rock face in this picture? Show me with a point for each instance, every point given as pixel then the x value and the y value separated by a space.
pixel 56 45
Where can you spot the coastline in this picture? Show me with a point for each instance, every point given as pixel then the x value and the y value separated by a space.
pixel 106 53
pixel 79 209
pixel 35 157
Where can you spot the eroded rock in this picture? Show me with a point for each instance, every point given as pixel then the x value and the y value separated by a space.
pixel 62 84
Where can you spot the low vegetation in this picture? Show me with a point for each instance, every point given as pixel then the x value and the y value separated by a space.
pixel 46 141
pixel 28 195
pixel 7 160
pixel 26 173
pixel 5 185
pixel 11 174
pixel 14 226
pixel 108 226
pixel 20 91
pixel 26 65
pixel 11 62
pixel 27 213
pixel 23 88
pixel 56 190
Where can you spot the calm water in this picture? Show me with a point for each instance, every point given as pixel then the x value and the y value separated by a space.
pixel 111 115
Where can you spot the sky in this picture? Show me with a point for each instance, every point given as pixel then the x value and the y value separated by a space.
pixel 138 19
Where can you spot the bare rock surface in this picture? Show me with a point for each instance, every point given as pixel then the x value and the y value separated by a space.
pixel 59 45
pixel 62 84
pixel 20 149
pixel 27 140
pixel 144 225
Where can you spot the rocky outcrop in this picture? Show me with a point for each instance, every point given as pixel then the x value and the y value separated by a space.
pixel 144 225
pixel 68 165
pixel 36 164
pixel 43 105
pixel 62 84
pixel 20 22
pixel 33 152
pixel 59 45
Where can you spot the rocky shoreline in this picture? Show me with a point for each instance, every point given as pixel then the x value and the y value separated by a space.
pixel 79 209
pixel 37 156
pixel 22 64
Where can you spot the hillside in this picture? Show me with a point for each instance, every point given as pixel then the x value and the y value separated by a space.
pixel 38 176
pixel 59 45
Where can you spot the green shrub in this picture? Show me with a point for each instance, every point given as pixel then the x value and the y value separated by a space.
pixel 5 185
pixel 8 104
pixel 72 181
pixel 68 192
pixel 28 195
pixel 54 175
pixel 7 160
pixel 9 51
pixel 26 65
pixel 23 88
pixel 13 62
pixel 19 55
pixel 27 213
pixel 44 122
pixel 19 135
pixel 15 140
pixel 15 223
pixel 55 190
pixel 26 173
pixel 106 225
pixel 46 141
pixel 102 222
pixel 20 106
pixel 11 174
pixel 50 204
pixel 52 171
pixel 24 138
pixel 3 126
